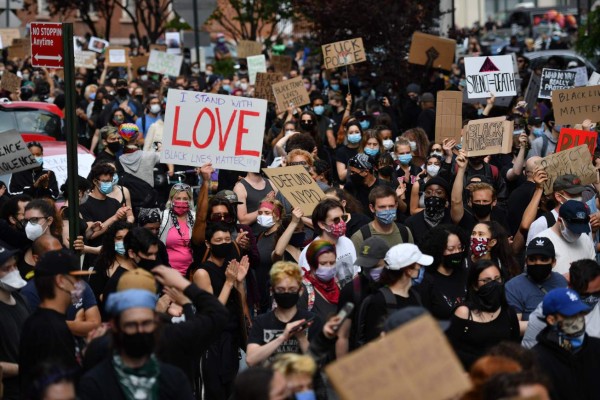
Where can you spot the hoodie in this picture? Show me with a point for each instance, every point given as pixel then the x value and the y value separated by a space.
pixel 140 164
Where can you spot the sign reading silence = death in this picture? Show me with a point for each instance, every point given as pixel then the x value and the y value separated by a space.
pixel 297 186
pixel 485 75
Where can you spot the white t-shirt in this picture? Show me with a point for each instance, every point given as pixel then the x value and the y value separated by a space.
pixel 346 256
pixel 567 252
pixel 539 225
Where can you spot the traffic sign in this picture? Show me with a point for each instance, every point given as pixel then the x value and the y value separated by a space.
pixel 47 45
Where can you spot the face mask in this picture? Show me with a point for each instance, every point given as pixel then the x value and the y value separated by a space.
pixel 325 274
pixel 119 120
pixel 386 171
pixel 557 128
pixel 481 211
pixel 297 239
pixel 25 77
pixel 337 230
pixel 371 152
pixel 365 124
pixel 479 246
pixel 405 159
pixel 375 273
pixel 433 170
pixel 144 77
pixel 155 108
pixel 354 138
pixel 344 81
pixel 289 132
pixel 539 272
pixel 34 231
pixel 453 261
pixel 413 146
pixel 227 88
pixel 490 296
pixel 105 187
pixel 537 132
pixel 419 278
pixel 147 264
pixel 114 146
pixel 435 207
pixel 13 280
pixel 92 96
pixel 181 207
pixel 319 110
pixel 335 87
pixel 436 153
pixel 357 179
pixel 573 326
pixel 286 300
pixel 388 144
pixel 307 86
pixel 386 217
pixel 266 221
pixel 567 234
pixel 244 86
pixel 138 345
pixel 591 299
pixel 480 112
pixel 306 395
pixel 221 250
pixel 39 160
pixel 77 293
pixel 307 126
pixel 120 248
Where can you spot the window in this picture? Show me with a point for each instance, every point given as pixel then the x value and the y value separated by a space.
pixel 42 6
pixel 130 6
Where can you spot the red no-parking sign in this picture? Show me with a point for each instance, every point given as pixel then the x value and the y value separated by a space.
pixel 47 45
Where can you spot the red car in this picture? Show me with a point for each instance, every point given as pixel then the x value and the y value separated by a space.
pixel 36 121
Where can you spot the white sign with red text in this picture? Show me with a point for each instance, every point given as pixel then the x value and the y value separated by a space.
pixel 226 131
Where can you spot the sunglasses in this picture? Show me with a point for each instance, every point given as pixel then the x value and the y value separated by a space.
pixel 221 217
pixel 181 186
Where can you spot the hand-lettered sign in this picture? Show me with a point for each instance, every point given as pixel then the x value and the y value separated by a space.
pixel 594 79
pixel 576 161
pixel 290 93
pixel 164 63
pixel 448 115
pixel 581 79
pixel 117 57
pixel 297 186
pixel 432 51
pixel 14 154
pixel 10 82
pixel 256 64
pixel 493 74
pixel 570 138
pixel 572 106
pixel 227 131
pixel 488 136
pixel 247 48
pixel 263 86
pixel 85 59
pixel 555 79
pixel 343 53
pixel 7 35
pixel 282 64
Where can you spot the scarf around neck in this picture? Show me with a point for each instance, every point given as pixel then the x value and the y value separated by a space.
pixel 329 290
pixel 138 383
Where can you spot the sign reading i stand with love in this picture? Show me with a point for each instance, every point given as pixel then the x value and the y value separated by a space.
pixel 47 45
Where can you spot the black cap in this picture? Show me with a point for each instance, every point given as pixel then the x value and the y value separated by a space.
pixel 59 262
pixel 437 180
pixel 576 214
pixel 533 120
pixel 6 253
pixel 541 246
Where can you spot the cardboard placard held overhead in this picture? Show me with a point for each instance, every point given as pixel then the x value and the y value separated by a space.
pixel 414 361
pixel 572 106
pixel 263 86
pixel 431 50
pixel 448 115
pixel 488 136
pixel 282 64
pixel 85 59
pixel 290 92
pixel 248 48
pixel 570 138
pixel 10 82
pixel 137 62
pixel 7 36
pixel 594 79
pixel 164 63
pixel 21 48
pixel 297 186
pixel 342 53
pixel 256 64
pixel 576 161
pixel 14 154
pixel 555 79
pixel 97 45
pixel 494 74
pixel 117 57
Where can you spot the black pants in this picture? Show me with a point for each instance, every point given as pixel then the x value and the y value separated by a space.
pixel 220 366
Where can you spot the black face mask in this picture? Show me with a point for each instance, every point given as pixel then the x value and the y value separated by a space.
pixel 357 179
pixel 539 272
pixel 476 161
pixel 122 92
pixel 453 261
pixel 114 146
pixel 140 98
pixel 481 210
pixel 137 345
pixel 221 250
pixel 286 300
pixel 490 296
pixel 386 171
pixel 297 239
pixel 147 264
pixel 307 126
pixel 591 299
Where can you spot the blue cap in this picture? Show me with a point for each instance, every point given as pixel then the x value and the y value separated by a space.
pixel 576 215
pixel 131 298
pixel 563 301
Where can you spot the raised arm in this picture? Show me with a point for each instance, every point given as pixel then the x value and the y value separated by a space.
pixel 202 206
pixel 457 208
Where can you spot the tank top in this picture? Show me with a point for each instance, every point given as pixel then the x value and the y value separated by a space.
pixel 254 196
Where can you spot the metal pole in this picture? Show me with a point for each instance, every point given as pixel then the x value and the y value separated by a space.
pixel 7 15
pixel 71 131
pixel 196 32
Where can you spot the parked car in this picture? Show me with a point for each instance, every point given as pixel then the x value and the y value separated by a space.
pixel 36 121
pixel 561 58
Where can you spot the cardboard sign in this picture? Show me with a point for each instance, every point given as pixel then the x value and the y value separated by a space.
pixel 85 59
pixel 494 74
pixel 297 186
pixel 281 64
pixel 164 63
pixel 488 136
pixel 21 48
pixel 256 64
pixel 531 93
pixel 576 161
pixel 248 48
pixel 97 45
pixel 414 361
pixel 432 51
pixel 7 36
pixel 14 154
pixel 570 138
pixel 10 82
pixel 572 106
pixel 581 79
pixel 263 87
pixel 227 131
pixel 448 116
pixel 117 57
pixel 137 62
pixel 290 92
pixel 173 42
pixel 343 53
pixel 555 79
pixel 594 79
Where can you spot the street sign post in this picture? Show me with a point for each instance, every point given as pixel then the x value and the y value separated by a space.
pixel 47 48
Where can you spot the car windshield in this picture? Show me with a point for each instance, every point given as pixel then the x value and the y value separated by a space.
pixel 30 121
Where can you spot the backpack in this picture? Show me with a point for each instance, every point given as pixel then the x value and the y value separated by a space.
pixel 366 232
pixel 142 194
pixel 545 141
pixel 550 220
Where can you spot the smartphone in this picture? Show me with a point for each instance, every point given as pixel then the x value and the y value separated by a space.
pixel 303 325
pixel 344 313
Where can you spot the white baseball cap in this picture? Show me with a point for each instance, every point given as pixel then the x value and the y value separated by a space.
pixel 405 255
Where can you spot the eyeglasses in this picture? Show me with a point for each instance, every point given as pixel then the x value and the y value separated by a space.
pixel 488 280
pixel 33 220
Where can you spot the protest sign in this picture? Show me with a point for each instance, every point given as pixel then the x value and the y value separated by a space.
pixel 555 79
pixel 572 106
pixel 248 48
pixel 531 93
pixel 7 35
pixel 297 186
pixel 158 47
pixel 227 131
pixel 432 51
pixel 21 48
pixel 570 138
pixel 290 92
pixel 85 59
pixel 117 57
pixel 581 79
pixel 448 116
pixel 256 64
pixel 58 164
pixel 488 136
pixel 594 79
pixel 97 45
pixel 485 75
pixel 282 64
pixel 263 86
pixel 164 63
pixel 409 360
pixel 137 62
pixel 14 154
pixel 342 53
pixel 576 161
pixel 173 42
pixel 10 82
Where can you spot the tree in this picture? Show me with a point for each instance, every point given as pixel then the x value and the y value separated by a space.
pixel 588 40
pixel 152 15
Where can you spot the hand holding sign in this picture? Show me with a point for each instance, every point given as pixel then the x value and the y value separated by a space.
pixel 297 215
pixel 461 160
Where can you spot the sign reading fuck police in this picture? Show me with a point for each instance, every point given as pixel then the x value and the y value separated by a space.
pixel 485 75
pixel 226 131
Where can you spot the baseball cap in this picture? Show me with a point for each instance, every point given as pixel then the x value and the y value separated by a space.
pixel 541 246
pixel 132 298
pixel 436 180
pixel 576 214
pixel 371 251
pixel 137 278
pixel 59 262
pixel 228 195
pixel 563 301
pixel 533 120
pixel 6 253
pixel 404 255
pixel 121 82
pixel 569 183
pixel 360 161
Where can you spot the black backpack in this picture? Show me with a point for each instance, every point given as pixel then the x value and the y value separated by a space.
pixel 142 194
pixel 366 232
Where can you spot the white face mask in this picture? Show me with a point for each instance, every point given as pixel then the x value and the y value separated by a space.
pixel 567 234
pixel 13 281
pixel 436 153
pixel 433 170
pixel 34 231
pixel 244 86
pixel 413 146
pixel 155 108
pixel 265 221
pixel 388 144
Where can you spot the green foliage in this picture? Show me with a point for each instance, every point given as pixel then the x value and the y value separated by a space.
pixel 588 41
pixel 224 67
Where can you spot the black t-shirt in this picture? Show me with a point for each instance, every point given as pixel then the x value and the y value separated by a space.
pixel 419 228
pixel 356 291
pixel 98 210
pixel 469 220
pixel 12 319
pixel 343 154
pixel 376 311
pixel 361 193
pixel 517 203
pixel 441 294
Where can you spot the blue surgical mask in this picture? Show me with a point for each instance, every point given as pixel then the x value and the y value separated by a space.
pixel 537 132
pixel 405 159
pixel 418 279
pixel 106 187
pixel 365 124
pixel 344 81
pixel 226 88
pixel 480 111
pixel 371 152
pixel 557 128
pixel 386 217
pixel 39 160
pixel 119 248
pixel 306 395
pixel 375 273
pixel 92 96
pixel 354 138
pixel 319 110
pixel 335 87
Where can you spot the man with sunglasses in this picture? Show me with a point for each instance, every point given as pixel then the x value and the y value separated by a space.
pixel 37 182
pixel 362 180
